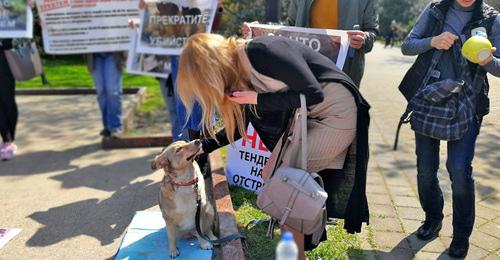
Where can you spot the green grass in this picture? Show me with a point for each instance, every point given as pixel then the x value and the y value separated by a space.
pixel 340 244
pixel 71 72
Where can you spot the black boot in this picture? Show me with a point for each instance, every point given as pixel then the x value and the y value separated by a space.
pixel 458 247
pixel 429 230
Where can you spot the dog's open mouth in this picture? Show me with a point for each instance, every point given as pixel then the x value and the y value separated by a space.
pixel 192 157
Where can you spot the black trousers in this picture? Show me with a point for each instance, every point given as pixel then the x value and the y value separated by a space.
pixel 8 106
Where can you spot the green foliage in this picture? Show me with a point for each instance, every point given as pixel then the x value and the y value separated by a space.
pixel 71 72
pixel 340 244
pixel 236 12
pixel 494 3
pixel 404 12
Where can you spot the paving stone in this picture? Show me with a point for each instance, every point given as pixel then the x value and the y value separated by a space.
pixel 406 201
pixel 398 181
pixel 493 256
pixel 436 245
pixel 492 202
pixel 385 224
pixel 411 213
pixel 476 252
pixel 484 241
pixel 486 213
pixel 411 226
pixel 395 254
pixel 401 191
pixel 382 199
pixel 391 240
pixel 375 180
pixel 491 228
pixel 383 210
pixel 376 189
pixel 479 221
pixel 447 229
pixel 430 255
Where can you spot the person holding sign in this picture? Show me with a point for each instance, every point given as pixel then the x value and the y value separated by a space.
pixel 8 106
pixel 358 17
pixel 446 31
pixel 106 69
pixel 260 81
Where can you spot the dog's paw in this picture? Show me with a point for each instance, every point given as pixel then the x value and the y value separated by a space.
pixel 206 245
pixel 173 253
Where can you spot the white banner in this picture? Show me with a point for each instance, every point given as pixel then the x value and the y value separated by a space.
pixel 334 44
pixel 147 64
pixel 167 24
pixel 7 234
pixel 245 161
pixel 82 26
pixel 16 19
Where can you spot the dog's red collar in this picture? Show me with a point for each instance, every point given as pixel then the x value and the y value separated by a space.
pixel 189 183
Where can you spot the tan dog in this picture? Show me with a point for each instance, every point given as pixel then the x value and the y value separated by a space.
pixel 178 194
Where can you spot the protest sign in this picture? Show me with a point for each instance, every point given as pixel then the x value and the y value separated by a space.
pixel 16 19
pixel 167 24
pixel 147 64
pixel 81 26
pixel 333 44
pixel 245 161
pixel 6 234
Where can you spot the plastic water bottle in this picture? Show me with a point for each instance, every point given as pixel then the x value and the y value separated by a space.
pixel 477 48
pixel 287 249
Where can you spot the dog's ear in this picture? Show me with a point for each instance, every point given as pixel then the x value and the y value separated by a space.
pixel 153 165
pixel 159 163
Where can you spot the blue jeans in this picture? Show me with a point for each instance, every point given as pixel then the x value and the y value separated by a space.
pixel 459 165
pixel 178 132
pixel 108 83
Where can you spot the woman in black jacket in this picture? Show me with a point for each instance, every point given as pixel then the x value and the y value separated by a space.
pixel 260 81
pixel 8 106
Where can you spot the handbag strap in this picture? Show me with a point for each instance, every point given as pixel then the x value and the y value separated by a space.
pixel 303 131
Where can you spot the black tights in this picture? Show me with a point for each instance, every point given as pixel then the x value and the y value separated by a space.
pixel 8 106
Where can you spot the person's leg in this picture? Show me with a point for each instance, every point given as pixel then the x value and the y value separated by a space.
pixel 430 194
pixel 8 106
pixel 98 77
pixel 459 165
pixel 113 85
pixel 168 98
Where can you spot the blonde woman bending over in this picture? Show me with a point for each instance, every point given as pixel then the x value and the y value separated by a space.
pixel 260 81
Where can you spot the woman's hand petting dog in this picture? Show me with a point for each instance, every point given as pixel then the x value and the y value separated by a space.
pixel 244 97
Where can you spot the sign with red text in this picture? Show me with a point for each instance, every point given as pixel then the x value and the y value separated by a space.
pixel 167 24
pixel 81 26
pixel 334 44
pixel 245 161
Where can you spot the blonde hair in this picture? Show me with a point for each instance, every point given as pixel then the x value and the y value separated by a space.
pixel 208 69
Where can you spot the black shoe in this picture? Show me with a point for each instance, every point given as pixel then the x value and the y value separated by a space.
pixel 429 230
pixel 458 247
pixel 105 133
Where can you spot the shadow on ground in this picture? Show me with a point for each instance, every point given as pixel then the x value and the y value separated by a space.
pixel 104 220
pixel 403 250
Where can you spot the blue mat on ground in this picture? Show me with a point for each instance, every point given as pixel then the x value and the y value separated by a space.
pixel 146 238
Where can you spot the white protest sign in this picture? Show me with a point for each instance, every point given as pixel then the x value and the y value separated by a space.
pixel 167 24
pixel 154 65
pixel 245 161
pixel 81 26
pixel 334 44
pixel 16 19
